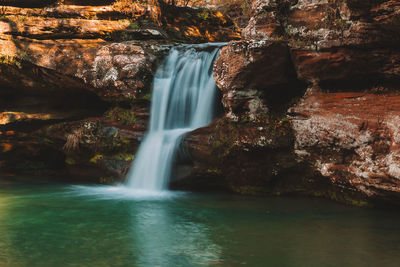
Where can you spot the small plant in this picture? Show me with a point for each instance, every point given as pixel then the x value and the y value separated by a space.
pixel 24 56
pixel 147 97
pixel 135 25
pixel 3 11
pixel 125 116
pixel 73 140
pixel 203 15
pixel 11 60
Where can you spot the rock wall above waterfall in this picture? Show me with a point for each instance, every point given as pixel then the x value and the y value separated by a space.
pixel 333 69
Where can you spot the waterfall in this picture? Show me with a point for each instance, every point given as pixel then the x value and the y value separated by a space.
pixel 183 99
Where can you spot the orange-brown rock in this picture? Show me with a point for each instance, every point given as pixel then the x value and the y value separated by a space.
pixel 75 82
pixel 347 64
pixel 264 22
pixel 344 125
pixel 322 25
pixel 352 139
pixel 250 73
pixel 311 95
pixel 114 71
pixel 250 157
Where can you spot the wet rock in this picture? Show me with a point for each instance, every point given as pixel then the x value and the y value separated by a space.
pixel 345 144
pixel 252 73
pixel 102 145
pixel 235 156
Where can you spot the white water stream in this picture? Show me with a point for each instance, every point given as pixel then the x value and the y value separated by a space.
pixel 183 99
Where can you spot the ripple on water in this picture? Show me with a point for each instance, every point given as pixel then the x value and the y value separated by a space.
pixel 122 192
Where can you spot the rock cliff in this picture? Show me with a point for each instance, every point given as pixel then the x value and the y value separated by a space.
pixel 75 81
pixel 310 96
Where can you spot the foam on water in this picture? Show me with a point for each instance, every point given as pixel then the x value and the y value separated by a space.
pixel 121 192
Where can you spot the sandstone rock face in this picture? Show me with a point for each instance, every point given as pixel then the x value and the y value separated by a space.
pixel 75 82
pixel 310 96
pixel 344 39
pixel 246 67
pixel 245 157
pixel 352 139
pixel 264 22
pixel 114 71
pixel 249 73
pixel 341 133
pixel 321 68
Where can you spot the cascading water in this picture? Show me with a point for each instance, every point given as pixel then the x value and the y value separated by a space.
pixel 184 94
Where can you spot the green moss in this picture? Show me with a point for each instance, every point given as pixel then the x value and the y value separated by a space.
pixel 123 140
pixel 49 141
pixel 147 97
pixel 24 56
pixel 214 171
pixel 124 156
pixel 359 203
pixel 106 180
pixel 125 116
pixel 96 158
pixel 203 15
pixel 135 25
pixel 342 197
pixel 70 161
pixel 11 60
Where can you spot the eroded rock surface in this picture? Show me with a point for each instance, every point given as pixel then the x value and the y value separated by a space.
pixel 310 97
pixel 334 67
pixel 351 139
pixel 75 81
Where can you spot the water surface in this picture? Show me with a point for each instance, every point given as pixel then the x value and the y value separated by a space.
pixel 64 225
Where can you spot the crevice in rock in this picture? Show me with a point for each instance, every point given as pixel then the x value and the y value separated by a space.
pixel 88 2
pixel 43 3
pixel 30 99
pixel 124 35
pixel 279 98
pixel 372 84
pixel 27 3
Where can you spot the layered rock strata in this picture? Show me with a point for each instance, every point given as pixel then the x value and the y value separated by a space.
pixel 310 96
pixel 323 76
pixel 75 82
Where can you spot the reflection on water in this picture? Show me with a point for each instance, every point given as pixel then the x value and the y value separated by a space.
pixel 161 234
pixel 53 225
pixel 165 238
